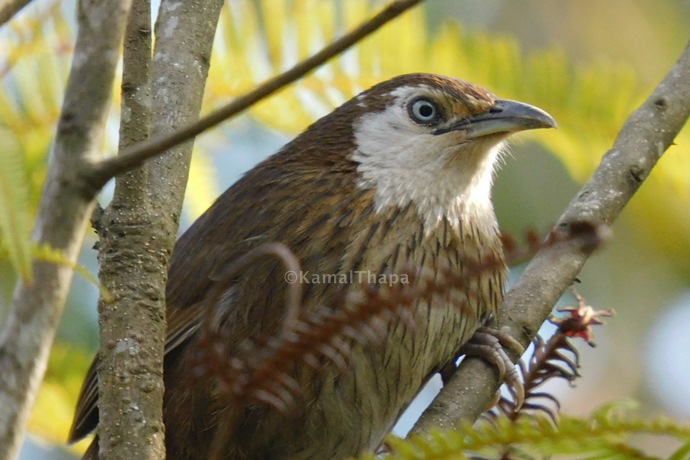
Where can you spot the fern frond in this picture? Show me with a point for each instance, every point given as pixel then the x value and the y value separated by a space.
pixel 14 214
pixel 253 43
pixel 552 359
pixel 33 70
pixel 262 368
pixel 605 434
pixel 590 102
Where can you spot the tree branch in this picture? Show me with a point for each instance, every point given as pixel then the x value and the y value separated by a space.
pixel 105 170
pixel 645 136
pixel 63 214
pixel 8 8
pixel 140 232
pixel 132 371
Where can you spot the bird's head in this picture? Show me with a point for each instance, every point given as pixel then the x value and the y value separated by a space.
pixel 433 142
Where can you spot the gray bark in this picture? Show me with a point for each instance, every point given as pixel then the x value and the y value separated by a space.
pixel 63 214
pixel 140 229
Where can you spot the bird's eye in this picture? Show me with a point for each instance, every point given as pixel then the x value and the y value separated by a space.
pixel 424 111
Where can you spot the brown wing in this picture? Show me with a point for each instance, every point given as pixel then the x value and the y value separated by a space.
pixel 262 206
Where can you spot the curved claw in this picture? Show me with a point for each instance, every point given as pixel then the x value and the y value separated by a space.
pixel 504 338
pixel 490 344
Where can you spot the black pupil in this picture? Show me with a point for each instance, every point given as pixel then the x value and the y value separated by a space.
pixel 426 110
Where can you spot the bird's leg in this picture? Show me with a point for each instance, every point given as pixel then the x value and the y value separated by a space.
pixel 490 345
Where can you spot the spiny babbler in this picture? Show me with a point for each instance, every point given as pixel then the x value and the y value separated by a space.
pixel 400 174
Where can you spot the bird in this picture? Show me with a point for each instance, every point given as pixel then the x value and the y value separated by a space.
pixel 400 175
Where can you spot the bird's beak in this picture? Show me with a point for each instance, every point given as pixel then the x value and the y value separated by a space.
pixel 503 117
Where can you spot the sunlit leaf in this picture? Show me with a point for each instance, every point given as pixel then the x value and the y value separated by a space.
pixel 590 102
pixel 202 184
pixel 56 400
pixel 604 434
pixel 14 224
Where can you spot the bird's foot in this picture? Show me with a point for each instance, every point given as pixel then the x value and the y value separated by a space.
pixel 490 345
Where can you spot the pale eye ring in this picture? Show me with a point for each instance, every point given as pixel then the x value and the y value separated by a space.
pixel 424 111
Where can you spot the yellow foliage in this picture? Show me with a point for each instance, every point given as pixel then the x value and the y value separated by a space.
pixel 590 103
pixel 256 40
pixel 14 224
pixel 605 434
pixel 202 185
pixel 56 400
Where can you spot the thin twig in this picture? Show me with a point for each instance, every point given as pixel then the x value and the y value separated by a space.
pixel 101 172
pixel 9 8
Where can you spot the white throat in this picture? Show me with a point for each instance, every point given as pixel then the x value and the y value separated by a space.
pixel 439 175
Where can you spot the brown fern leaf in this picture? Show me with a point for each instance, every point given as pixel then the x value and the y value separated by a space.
pixel 266 374
pixel 264 368
pixel 555 358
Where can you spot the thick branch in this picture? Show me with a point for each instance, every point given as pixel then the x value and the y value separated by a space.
pixel 140 230
pixel 646 135
pixel 63 214
pixel 132 393
pixel 105 170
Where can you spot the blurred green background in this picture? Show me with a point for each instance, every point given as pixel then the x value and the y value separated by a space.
pixel 589 63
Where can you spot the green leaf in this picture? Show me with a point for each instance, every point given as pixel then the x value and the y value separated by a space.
pixel 57 397
pixel 602 435
pixel 14 222
pixel 683 453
